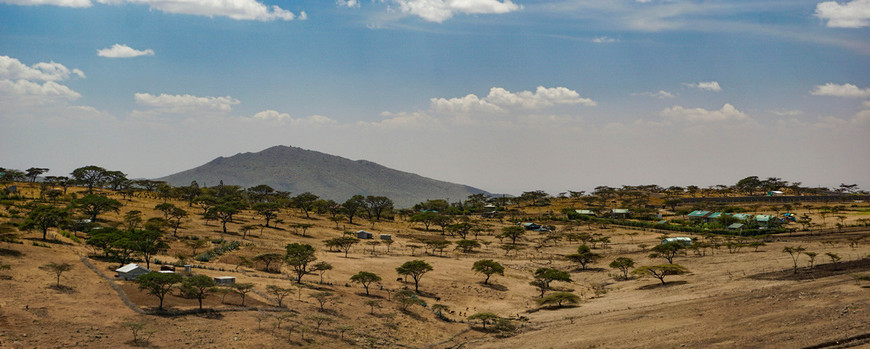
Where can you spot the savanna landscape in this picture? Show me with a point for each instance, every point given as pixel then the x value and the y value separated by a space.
pixel 604 269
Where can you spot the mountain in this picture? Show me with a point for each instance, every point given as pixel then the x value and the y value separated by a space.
pixel 331 177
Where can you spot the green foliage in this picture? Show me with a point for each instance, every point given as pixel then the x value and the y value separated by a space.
pixel 623 264
pixel 57 268
pixel 415 269
pixel 198 286
pixel 467 246
pixel 365 278
pixel 660 271
pixel 484 318
pixel 544 276
pixel 513 232
pixel 558 298
pixel 43 217
pixel 299 256
pixel 406 298
pixel 668 250
pixel 158 284
pixel 584 256
pixel 488 267
pixel 217 251
pixel 93 205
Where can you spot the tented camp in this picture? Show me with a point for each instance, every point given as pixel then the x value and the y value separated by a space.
pixel 362 234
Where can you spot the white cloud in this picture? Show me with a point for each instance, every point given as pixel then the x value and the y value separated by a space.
pixel 705 85
pixel 347 3
pixel 787 112
pixel 123 51
pixel 604 40
pixel 661 94
pixel 23 92
pixel 272 115
pixel 468 104
pixel 866 104
pixel 852 14
pixel 62 3
pixel 185 103
pixel 542 97
pixel 13 69
pixel 440 10
pixel 22 86
pixel 727 113
pixel 500 100
pixel 235 9
pixel 844 90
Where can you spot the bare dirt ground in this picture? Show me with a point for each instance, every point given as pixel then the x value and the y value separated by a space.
pixel 745 299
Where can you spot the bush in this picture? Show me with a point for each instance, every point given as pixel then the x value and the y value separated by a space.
pixel 217 251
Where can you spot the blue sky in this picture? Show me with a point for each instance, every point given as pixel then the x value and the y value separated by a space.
pixel 503 95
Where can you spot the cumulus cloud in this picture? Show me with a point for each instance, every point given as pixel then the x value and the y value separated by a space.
pixel 727 113
pixel 844 90
pixel 852 14
pixel 123 51
pixel 13 69
pixel 24 86
pixel 468 104
pixel 500 99
pixel 185 103
pixel 661 94
pixel 272 115
pixel 604 40
pixel 440 10
pixel 705 85
pixel 23 92
pixel 236 9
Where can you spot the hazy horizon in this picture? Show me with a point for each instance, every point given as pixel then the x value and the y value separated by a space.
pixel 503 95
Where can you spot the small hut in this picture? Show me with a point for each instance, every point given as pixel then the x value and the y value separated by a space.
pixel 386 237
pixel 224 280
pixel 362 234
pixel 131 271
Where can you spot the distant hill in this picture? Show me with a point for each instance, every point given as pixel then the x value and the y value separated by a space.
pixel 332 177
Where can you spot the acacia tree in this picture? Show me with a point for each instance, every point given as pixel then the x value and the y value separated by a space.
pixel 149 243
pixel 484 317
pixel 269 210
pixel 93 205
pixel 376 206
pixel 513 232
pixel 344 243
pixel 224 213
pixel 488 267
pixel 406 298
pixel 279 292
pixel 57 269
pixel 43 217
pixel 321 268
pixel 158 284
pixel 305 202
pixel 299 256
pixel 558 298
pixel 660 271
pixel 668 251
pixel 34 172
pixel 544 276
pixel 623 264
pixel 323 298
pixel 415 268
pixel 90 176
pixel 365 278
pixel 584 256
pixel 198 286
pixel 267 259
pixel 353 206
pixel 794 252
pixel 242 289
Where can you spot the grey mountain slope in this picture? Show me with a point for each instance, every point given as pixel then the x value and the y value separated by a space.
pixel 298 170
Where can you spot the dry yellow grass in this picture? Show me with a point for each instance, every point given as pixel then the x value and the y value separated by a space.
pixel 724 302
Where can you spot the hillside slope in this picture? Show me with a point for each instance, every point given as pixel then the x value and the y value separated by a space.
pixel 298 170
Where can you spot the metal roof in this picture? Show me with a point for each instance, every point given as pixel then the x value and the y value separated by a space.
pixel 130 267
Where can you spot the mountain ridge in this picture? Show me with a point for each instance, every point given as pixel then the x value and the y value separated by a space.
pixel 329 176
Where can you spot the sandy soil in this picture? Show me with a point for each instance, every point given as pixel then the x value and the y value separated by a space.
pixel 744 299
